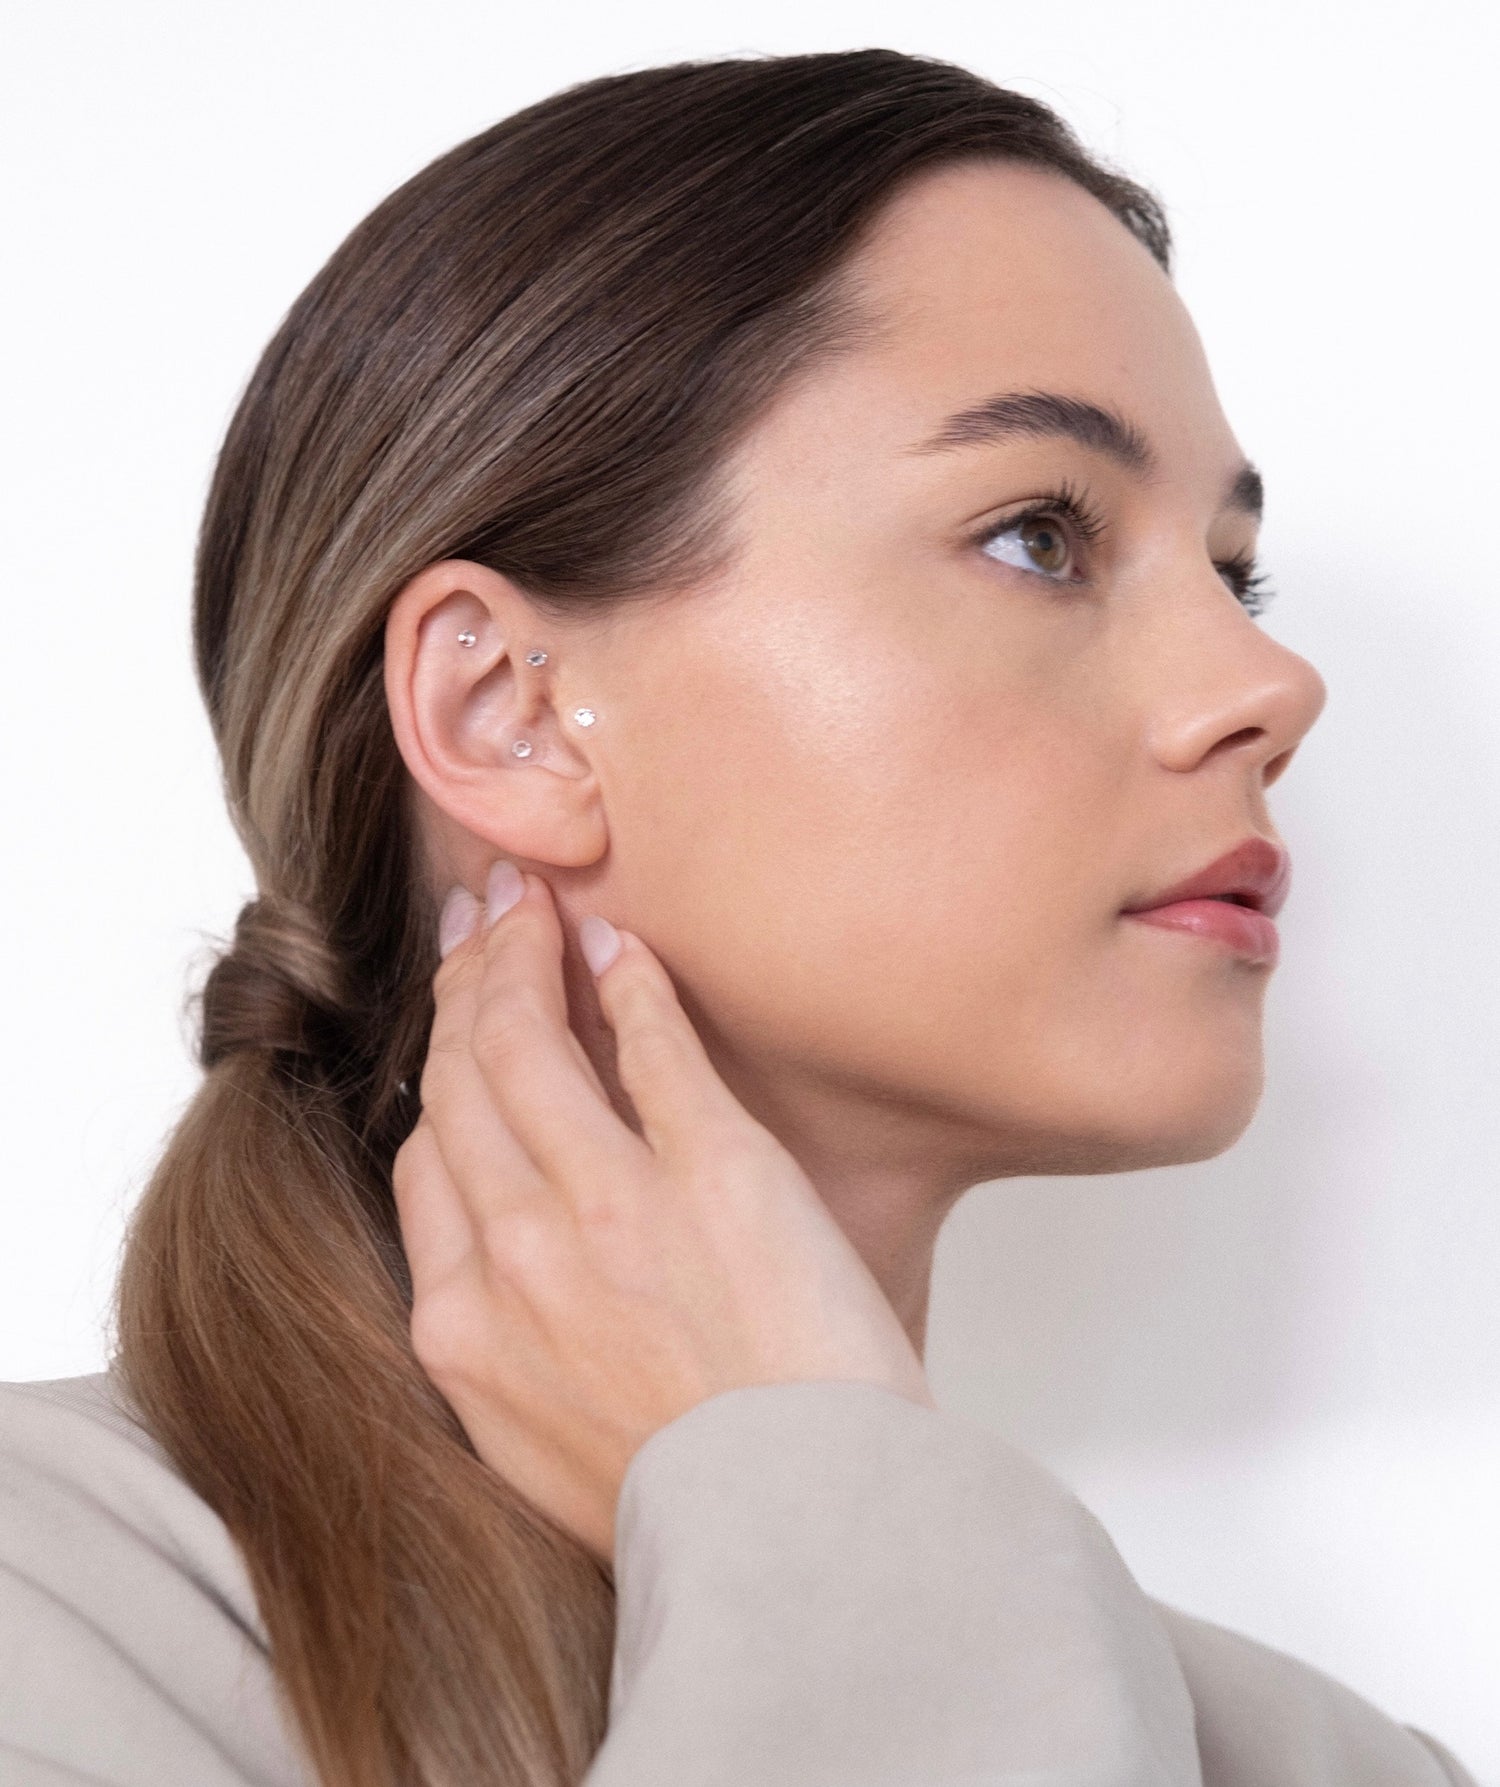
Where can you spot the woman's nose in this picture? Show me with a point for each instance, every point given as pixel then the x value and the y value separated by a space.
pixel 1250 697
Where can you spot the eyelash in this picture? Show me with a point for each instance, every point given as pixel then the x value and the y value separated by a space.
pixel 1251 588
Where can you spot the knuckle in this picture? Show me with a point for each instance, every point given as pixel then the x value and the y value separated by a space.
pixel 435 1084
pixel 647 1047
pixel 600 1217
pixel 508 946
pixel 614 1210
pixel 507 1027
pixel 442 1331
pixel 444 1043
pixel 410 1159
pixel 639 985
pixel 453 970
pixel 521 1243
pixel 620 1249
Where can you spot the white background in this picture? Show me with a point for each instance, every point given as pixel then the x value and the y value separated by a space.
pixel 1275 1376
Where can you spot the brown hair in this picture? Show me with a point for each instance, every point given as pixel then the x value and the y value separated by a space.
pixel 535 354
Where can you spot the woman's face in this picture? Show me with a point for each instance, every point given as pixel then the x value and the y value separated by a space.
pixel 880 796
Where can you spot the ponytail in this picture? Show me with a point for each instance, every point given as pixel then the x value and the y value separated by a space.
pixel 536 354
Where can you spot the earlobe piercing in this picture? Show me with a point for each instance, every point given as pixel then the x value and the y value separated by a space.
pixel 585 716
pixel 466 637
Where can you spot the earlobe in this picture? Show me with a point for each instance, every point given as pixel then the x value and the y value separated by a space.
pixel 477 713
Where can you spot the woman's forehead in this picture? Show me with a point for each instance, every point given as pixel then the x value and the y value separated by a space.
pixel 993 280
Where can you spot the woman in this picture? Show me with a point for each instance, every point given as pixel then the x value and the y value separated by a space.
pixel 762 534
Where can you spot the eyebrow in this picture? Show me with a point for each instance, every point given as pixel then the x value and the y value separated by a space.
pixel 1051 414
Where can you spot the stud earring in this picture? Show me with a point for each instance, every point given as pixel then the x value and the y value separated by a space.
pixel 466 637
pixel 585 716
pixel 521 748
pixel 536 657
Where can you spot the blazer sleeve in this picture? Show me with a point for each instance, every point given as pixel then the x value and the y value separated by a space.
pixel 828 1584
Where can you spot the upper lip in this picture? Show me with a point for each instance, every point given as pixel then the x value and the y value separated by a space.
pixel 1256 873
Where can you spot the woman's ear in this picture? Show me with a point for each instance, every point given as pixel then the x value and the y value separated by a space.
pixel 488 717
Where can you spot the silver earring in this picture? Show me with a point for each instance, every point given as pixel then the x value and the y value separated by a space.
pixel 466 637
pixel 536 657
pixel 585 716
pixel 521 748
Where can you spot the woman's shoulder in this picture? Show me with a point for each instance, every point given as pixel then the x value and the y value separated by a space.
pixel 46 1420
pixel 82 1477
pixel 131 1646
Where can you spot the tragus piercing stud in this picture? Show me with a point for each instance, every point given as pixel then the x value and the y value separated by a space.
pixel 536 657
pixel 585 716
pixel 466 637
pixel 521 748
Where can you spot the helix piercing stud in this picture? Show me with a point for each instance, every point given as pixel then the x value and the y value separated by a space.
pixel 466 637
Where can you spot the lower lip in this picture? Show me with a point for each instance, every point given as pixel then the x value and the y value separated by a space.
pixel 1248 933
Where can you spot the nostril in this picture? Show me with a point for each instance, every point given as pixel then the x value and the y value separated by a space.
pixel 1274 768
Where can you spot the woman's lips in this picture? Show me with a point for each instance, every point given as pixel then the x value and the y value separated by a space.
pixel 1233 901
pixel 1247 932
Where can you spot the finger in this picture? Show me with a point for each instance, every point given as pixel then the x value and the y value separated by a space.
pixel 436 1233
pixel 682 1101
pixel 484 1159
pixel 458 923
pixel 529 1056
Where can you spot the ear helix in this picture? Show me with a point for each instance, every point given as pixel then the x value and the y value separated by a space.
pixel 585 716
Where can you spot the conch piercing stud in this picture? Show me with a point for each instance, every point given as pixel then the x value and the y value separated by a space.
pixel 585 716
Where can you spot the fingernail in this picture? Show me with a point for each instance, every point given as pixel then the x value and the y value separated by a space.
pixel 506 885
pixel 460 910
pixel 599 941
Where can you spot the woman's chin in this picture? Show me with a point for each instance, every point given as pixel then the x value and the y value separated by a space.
pixel 1193 1116
pixel 1182 1118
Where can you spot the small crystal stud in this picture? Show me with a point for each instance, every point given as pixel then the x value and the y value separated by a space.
pixel 466 637
pixel 536 657
pixel 521 748
pixel 585 716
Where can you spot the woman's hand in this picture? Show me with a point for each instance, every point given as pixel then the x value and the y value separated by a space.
pixel 576 1285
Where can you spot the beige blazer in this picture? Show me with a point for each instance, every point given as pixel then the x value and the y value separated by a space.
pixel 820 1585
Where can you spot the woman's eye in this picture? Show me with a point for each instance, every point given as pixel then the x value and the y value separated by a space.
pixel 1250 588
pixel 1034 543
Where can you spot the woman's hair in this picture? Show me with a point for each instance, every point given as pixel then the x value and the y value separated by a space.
pixel 535 354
